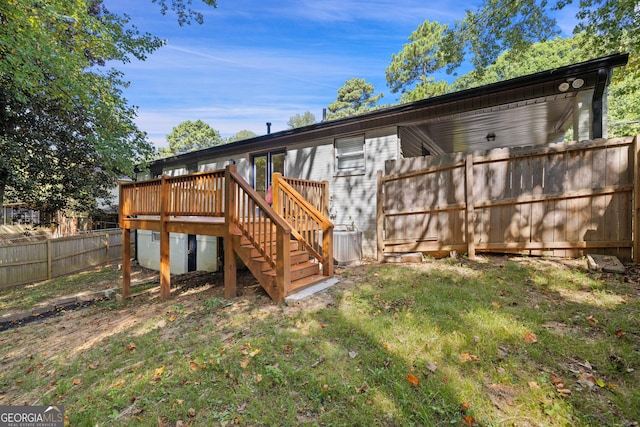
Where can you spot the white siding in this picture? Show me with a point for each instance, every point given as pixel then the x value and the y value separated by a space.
pixel 352 196
pixel 149 252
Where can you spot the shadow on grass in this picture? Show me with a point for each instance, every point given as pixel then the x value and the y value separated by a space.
pixel 442 343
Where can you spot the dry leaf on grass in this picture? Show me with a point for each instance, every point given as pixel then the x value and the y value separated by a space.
pixel 530 337
pixel 465 357
pixel 413 380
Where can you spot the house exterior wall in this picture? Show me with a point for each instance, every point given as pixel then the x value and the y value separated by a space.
pixel 149 251
pixel 352 195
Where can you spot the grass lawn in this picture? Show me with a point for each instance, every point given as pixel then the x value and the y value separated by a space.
pixel 495 342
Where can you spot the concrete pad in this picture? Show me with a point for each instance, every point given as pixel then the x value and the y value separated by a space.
pixel 608 263
pixel 311 290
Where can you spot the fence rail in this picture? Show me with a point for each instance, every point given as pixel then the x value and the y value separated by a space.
pixel 560 200
pixel 22 263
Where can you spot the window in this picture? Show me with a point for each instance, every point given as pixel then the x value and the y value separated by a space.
pixel 155 236
pixel 264 166
pixel 350 154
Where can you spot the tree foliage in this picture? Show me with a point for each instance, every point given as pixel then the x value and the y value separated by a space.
pixel 354 97
pixel 301 120
pixel 242 135
pixel 183 11
pixel 191 136
pixel 498 26
pixel 66 131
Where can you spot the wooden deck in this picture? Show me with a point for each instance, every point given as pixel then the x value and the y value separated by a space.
pixel 287 246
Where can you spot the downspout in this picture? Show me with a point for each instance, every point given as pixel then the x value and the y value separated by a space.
pixel 597 102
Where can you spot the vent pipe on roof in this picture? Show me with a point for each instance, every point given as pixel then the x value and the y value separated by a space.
pixel 324 114
pixel 268 128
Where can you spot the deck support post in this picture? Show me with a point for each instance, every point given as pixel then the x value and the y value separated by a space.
pixel 230 267
pixel 165 251
pixel 126 262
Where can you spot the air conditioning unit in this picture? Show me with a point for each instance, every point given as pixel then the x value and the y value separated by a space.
pixel 347 245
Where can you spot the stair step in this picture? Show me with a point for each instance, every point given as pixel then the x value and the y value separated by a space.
pixel 298 285
pixel 302 270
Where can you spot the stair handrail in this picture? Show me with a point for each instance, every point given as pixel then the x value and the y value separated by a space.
pixel 301 228
pixel 256 220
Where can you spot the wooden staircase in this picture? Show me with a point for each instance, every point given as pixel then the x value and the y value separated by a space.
pixel 287 246
pixel 303 270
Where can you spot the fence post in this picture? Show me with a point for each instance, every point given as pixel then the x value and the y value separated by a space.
pixel 469 218
pixel 49 260
pixel 126 262
pixel 636 199
pixel 380 218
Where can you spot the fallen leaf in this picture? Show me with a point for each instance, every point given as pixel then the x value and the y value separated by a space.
pixel 533 385
pixel 118 383
pixel 172 318
pixel 353 354
pixel 192 412
pixel 619 333
pixel 92 366
pixel 464 406
pixel 244 363
pixel 287 348
pixel 496 304
pixel 131 346
pixel 255 352
pixel 413 380
pixel 324 388
pixel 465 357
pixel 193 366
pixel 592 320
pixel 600 383
pixel 468 421
pixel 530 337
pixel 386 346
pixel 257 378
pixel 76 381
pixel 180 402
pixel 587 380
pixel 432 367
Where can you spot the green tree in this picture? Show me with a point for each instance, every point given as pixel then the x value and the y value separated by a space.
pixel 410 68
pixel 541 56
pixel 354 97
pixel 301 120
pixel 191 136
pixel 242 135
pixel 66 131
pixel 497 26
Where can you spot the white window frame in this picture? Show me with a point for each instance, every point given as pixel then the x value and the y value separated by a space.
pixel 348 159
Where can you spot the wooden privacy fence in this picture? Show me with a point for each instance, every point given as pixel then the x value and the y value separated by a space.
pixel 22 263
pixel 560 200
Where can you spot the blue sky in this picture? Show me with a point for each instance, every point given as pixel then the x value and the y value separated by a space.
pixel 255 62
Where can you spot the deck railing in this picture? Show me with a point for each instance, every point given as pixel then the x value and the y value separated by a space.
pixel 199 194
pixel 309 226
pixel 316 193
pixel 269 234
